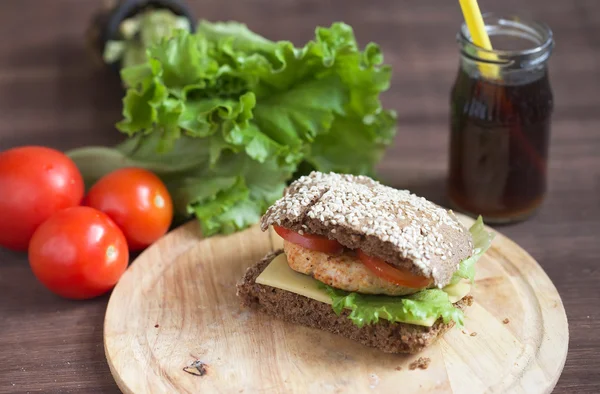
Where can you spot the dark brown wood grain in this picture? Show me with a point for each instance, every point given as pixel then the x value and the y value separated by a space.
pixel 52 94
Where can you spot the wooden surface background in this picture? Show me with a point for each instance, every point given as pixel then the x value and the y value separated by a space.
pixel 51 94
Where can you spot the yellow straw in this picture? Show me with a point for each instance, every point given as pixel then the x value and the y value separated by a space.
pixel 474 21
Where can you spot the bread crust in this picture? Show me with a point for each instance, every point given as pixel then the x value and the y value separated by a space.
pixel 291 307
pixel 401 228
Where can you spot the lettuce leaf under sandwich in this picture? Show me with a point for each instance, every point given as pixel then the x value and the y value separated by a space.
pixel 421 308
pixel 481 242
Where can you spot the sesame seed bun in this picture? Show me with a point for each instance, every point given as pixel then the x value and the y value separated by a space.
pixel 397 226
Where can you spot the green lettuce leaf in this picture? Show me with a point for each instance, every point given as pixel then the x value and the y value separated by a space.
pixel 331 151
pixel 292 95
pixel 238 34
pixel 481 243
pixel 227 118
pixel 415 308
pixel 247 189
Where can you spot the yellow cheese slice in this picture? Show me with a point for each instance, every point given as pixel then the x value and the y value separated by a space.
pixel 278 274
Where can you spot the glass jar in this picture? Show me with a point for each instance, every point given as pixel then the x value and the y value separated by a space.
pixel 501 107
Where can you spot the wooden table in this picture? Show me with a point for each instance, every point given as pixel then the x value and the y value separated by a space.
pixel 51 94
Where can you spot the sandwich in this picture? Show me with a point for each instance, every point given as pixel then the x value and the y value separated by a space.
pixel 377 265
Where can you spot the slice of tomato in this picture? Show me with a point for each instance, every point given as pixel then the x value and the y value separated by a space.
pixel 392 274
pixel 314 242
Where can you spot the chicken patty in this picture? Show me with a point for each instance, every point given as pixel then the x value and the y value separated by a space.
pixel 344 271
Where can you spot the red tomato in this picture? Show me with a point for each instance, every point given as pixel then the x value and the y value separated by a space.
pixel 78 253
pixel 310 241
pixel 35 182
pixel 137 201
pixel 392 274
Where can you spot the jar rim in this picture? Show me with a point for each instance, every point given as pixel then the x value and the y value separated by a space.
pixel 539 30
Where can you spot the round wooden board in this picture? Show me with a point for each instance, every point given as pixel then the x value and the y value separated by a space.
pixel 177 304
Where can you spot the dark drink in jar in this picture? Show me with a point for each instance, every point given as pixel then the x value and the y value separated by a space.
pixel 501 107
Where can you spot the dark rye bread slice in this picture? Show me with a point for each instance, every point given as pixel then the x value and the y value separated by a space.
pixel 385 336
pixel 401 228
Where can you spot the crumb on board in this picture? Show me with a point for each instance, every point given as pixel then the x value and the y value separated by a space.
pixel 197 368
pixel 156 325
pixel 421 363
pixel 473 334
pixel 398 368
pixel 373 380
pixel 506 321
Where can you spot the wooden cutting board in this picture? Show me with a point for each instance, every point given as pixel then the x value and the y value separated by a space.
pixel 174 314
